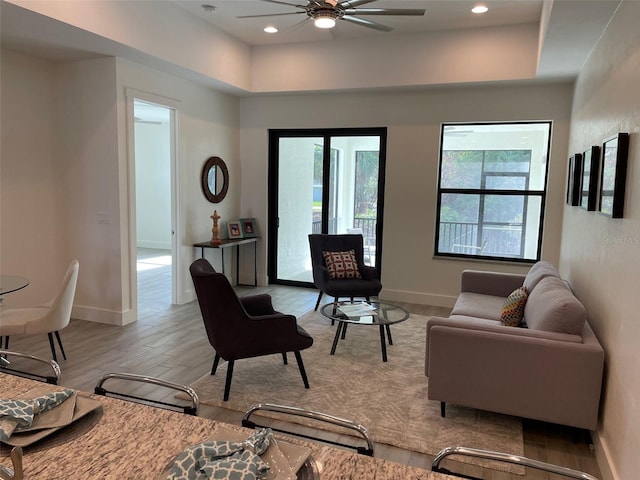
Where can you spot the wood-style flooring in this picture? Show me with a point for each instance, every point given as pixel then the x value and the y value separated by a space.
pixel 169 341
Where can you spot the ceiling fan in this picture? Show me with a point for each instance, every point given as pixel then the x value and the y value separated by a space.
pixel 325 13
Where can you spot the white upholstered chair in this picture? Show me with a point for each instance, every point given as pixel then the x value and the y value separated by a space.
pixel 49 318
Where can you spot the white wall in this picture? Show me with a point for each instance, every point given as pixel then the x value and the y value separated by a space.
pixel 88 177
pixel 207 125
pixel 600 255
pixel 409 271
pixel 153 185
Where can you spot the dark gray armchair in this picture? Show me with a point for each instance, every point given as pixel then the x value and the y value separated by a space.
pixel 367 286
pixel 244 327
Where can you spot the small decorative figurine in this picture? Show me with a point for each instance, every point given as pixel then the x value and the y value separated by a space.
pixel 215 239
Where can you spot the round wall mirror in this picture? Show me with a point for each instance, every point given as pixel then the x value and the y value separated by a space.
pixel 215 179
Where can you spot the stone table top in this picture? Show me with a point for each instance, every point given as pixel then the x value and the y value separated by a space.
pixel 125 440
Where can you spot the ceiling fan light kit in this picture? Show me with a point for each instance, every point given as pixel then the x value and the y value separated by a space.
pixel 324 20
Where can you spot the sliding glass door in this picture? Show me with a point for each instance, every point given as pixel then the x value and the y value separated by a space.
pixel 323 181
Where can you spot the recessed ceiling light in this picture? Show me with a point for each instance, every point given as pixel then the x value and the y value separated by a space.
pixel 270 29
pixel 480 9
pixel 208 8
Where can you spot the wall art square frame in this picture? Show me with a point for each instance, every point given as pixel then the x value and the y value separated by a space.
pixel 590 174
pixel 613 175
pixel 573 179
pixel 234 229
pixel 249 227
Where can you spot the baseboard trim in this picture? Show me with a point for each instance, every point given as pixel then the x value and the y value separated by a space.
pixel 100 315
pixel 602 457
pixel 417 297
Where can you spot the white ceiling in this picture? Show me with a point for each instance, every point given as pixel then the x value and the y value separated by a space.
pixel 569 28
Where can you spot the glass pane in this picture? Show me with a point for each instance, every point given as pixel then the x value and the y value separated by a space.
pixel 503 208
pixel 353 196
pixel 493 230
pixel 508 161
pixel 508 147
pixel 461 169
pixel 459 224
pixel 504 182
pixel 459 207
pixel 517 238
pixel 299 212
pixel 365 203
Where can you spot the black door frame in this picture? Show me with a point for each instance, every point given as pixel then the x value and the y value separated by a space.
pixel 326 134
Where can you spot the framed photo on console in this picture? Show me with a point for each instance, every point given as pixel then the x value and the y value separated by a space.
pixel 249 227
pixel 613 175
pixel 589 183
pixel 234 229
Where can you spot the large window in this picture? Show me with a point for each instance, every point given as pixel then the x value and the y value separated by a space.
pixel 491 190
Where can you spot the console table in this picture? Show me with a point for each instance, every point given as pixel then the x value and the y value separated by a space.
pixel 232 242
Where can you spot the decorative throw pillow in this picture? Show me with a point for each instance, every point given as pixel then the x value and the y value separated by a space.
pixel 342 264
pixel 513 309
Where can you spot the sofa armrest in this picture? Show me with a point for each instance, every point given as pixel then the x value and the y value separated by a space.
pixel 539 378
pixel 490 283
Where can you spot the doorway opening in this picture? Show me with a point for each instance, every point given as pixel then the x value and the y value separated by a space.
pixel 154 140
pixel 323 181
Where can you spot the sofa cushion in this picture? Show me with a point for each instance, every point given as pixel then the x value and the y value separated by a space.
pixel 552 307
pixel 513 308
pixel 537 272
pixel 342 264
pixel 478 305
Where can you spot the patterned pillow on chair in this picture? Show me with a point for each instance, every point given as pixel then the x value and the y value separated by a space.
pixel 342 264
pixel 512 312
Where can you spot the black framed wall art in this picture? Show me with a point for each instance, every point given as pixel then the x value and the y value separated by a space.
pixel 613 175
pixel 573 179
pixel 589 183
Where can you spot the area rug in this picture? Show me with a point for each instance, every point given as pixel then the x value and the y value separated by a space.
pixel 390 398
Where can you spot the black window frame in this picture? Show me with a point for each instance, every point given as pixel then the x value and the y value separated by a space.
pixel 484 192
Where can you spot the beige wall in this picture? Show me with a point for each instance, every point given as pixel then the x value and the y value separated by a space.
pixel 413 120
pixel 600 255
pixel 66 168
pixel 30 243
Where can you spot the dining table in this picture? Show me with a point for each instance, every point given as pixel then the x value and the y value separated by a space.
pixel 121 439
pixel 12 283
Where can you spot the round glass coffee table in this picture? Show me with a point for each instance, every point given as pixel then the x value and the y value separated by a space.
pixel 365 313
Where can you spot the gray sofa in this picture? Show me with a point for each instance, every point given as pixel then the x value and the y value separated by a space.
pixel 550 370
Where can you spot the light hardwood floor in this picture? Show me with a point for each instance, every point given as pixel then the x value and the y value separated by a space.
pixel 169 341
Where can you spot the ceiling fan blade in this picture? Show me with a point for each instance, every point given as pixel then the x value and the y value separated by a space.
pixel 269 15
pixel 367 23
pixel 354 3
pixel 297 24
pixel 284 3
pixel 385 11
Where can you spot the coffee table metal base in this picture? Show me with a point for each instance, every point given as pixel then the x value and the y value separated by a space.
pixel 385 332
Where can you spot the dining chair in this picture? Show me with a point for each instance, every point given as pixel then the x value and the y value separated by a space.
pixel 365 283
pixel 48 318
pixel 16 363
pixel 246 327
pixel 286 411
pixel 125 392
pixel 503 458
